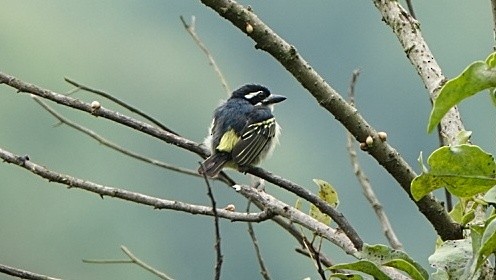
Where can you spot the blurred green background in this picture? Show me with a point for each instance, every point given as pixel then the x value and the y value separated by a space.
pixel 140 52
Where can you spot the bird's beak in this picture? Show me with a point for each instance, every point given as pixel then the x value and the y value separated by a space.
pixel 273 99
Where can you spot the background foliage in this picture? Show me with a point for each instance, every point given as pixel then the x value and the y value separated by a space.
pixel 141 53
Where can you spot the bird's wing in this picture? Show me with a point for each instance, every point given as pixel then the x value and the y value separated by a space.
pixel 254 138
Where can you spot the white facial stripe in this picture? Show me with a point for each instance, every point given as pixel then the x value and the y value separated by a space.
pixel 253 94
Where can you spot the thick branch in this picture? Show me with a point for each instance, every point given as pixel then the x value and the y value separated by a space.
pixel 271 205
pixel 156 203
pixel 267 40
pixel 407 30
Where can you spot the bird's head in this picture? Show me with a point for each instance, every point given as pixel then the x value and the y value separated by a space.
pixel 257 95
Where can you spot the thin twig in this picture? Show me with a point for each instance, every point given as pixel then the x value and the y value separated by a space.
pixel 132 259
pixel 121 103
pixel 217 245
pixel 263 269
pixel 190 28
pixel 314 255
pixel 144 265
pixel 112 145
pixel 493 9
pixel 410 8
pixel 24 274
pixel 364 181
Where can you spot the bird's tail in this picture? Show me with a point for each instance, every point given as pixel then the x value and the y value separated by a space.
pixel 213 165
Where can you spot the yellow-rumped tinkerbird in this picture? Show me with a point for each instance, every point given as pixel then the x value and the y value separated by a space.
pixel 243 131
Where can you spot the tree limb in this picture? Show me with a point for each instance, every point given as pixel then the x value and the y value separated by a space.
pixel 407 30
pixel 267 40
pixel 156 203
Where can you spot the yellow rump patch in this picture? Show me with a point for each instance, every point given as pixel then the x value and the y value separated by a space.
pixel 227 142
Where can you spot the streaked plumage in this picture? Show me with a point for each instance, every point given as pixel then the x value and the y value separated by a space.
pixel 243 131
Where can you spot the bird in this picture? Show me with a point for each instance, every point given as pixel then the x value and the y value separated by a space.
pixel 243 132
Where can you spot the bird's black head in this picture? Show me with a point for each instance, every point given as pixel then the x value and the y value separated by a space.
pixel 257 95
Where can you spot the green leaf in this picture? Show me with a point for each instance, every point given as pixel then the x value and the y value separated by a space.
pixel 490 196
pixel 478 76
pixel 298 204
pixel 462 138
pixel 346 276
pixel 465 170
pixel 491 60
pixel 457 212
pixel 319 216
pixel 488 242
pixel 327 192
pixel 468 217
pixel 451 258
pixel 383 255
pixel 329 195
pixel 408 268
pixel 364 266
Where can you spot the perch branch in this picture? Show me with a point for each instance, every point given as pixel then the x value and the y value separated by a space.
pixel 277 207
pixel 185 144
pixel 101 190
pixel 267 40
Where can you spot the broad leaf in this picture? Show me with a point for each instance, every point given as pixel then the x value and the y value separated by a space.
pixel 366 267
pixel 451 258
pixel 400 260
pixel 465 170
pixel 478 76
pixel 329 195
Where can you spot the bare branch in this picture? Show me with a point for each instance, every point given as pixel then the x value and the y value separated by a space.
pixel 23 274
pixel 407 30
pixel 144 265
pixel 156 203
pixel 368 191
pixel 181 142
pixel 104 113
pixel 190 28
pixel 271 204
pixel 314 199
pixel 267 40
pixel 121 103
pixel 217 245
pixel 132 259
pixel 114 146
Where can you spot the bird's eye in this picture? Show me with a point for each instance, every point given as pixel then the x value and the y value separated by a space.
pixel 253 94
